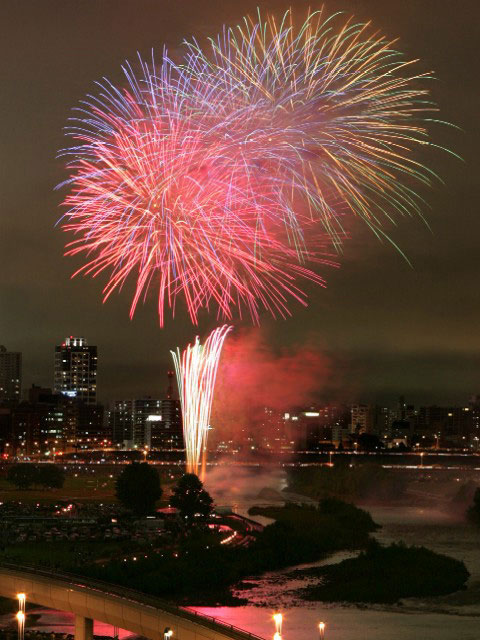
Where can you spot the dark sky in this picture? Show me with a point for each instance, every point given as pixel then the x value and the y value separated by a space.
pixel 387 328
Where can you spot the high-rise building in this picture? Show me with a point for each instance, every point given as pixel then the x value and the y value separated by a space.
pixel 47 421
pixel 120 420
pixel 90 428
pixel 143 409
pixel 10 376
pixel 148 422
pixel 313 427
pixel 128 420
pixel 362 418
pixel 167 432
pixel 76 370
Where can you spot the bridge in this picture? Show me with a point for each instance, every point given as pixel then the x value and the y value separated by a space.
pixel 127 609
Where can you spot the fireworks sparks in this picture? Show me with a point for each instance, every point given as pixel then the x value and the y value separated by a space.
pixel 196 369
pixel 224 180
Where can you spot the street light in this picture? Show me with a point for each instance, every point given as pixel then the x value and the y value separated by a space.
pixel 321 628
pixel 167 634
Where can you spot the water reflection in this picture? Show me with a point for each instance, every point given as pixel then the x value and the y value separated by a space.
pixel 451 617
pixel 51 620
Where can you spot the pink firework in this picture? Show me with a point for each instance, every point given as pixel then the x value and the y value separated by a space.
pixel 161 192
pixel 225 180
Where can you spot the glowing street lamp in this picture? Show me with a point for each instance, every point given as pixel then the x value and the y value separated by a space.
pixel 321 629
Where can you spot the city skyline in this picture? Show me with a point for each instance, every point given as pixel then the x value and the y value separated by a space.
pixel 311 395
pixel 385 327
pixel 239 345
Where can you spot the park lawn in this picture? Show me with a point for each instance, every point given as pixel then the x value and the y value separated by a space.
pixel 62 554
pixel 100 488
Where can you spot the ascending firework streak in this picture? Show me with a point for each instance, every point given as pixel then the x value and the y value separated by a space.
pixel 196 369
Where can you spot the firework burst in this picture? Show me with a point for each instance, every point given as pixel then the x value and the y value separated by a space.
pixel 225 180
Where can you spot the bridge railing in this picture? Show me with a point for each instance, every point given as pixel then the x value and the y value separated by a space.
pixel 138 597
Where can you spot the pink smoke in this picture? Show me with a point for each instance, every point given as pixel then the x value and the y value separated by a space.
pixel 253 376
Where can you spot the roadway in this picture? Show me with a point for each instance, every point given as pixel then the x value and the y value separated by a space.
pixel 127 609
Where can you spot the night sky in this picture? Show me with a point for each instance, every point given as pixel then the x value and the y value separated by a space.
pixel 386 328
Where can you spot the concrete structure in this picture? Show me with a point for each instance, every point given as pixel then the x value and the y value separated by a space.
pixel 10 375
pixel 91 600
pixel 362 418
pixel 76 370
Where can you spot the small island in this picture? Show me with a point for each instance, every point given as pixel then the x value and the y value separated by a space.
pixel 384 575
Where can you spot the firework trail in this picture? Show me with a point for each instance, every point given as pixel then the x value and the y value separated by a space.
pixel 196 369
pixel 225 179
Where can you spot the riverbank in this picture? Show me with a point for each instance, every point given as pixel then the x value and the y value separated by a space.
pixel 452 617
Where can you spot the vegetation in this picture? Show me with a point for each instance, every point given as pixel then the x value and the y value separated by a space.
pixel 190 498
pixel 64 554
pixel 304 533
pixel 360 482
pixel 51 476
pixel 84 483
pixel 200 571
pixel 138 488
pixel 24 475
pixel 386 574
pixel 473 512
pixel 369 442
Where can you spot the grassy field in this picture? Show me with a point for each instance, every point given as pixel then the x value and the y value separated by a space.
pixel 98 487
pixel 89 484
pixel 63 553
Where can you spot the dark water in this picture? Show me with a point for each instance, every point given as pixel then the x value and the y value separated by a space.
pixel 61 622
pixel 454 617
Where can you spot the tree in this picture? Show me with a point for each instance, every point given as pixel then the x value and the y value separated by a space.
pixel 138 488
pixel 190 498
pixel 22 475
pixel 369 442
pixel 473 513
pixel 51 476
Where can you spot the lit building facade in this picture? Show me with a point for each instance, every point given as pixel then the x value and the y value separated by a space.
pixel 76 370
pixel 10 376
pixel 128 420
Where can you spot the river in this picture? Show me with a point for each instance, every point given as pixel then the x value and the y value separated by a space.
pixel 454 617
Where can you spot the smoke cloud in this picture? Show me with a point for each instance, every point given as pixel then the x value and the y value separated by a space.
pixel 253 376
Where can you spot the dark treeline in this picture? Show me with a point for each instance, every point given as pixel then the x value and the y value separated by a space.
pixel 203 571
pixel 25 475
pixel 385 575
pixel 359 482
